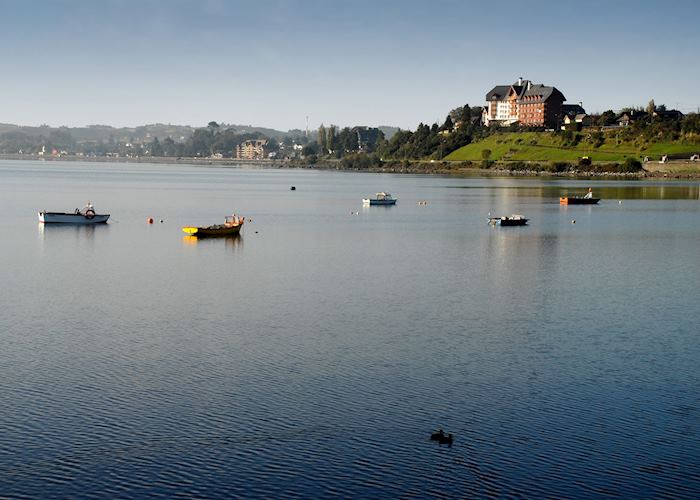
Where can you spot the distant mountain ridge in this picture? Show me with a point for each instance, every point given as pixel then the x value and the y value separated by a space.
pixel 146 133
pixel 138 134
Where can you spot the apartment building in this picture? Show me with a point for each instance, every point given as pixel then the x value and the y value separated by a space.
pixel 251 150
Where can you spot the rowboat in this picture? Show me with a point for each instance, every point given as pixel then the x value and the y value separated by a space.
pixel 380 199
pixel 513 220
pixel 579 200
pixel 232 225
pixel 85 216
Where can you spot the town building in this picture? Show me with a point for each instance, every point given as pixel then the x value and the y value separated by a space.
pixel 523 102
pixel 251 150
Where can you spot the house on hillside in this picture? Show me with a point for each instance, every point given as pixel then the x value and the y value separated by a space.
pixel 575 116
pixel 668 114
pixel 526 103
pixel 627 117
pixel 571 110
pixel 576 122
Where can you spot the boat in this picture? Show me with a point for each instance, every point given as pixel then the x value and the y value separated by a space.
pixel 579 200
pixel 232 226
pixel 513 220
pixel 380 199
pixel 85 216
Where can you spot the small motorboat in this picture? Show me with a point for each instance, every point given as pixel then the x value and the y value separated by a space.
pixel 85 216
pixel 587 199
pixel 380 199
pixel 232 226
pixel 513 220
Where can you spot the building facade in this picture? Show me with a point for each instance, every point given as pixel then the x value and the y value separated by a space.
pixel 251 150
pixel 525 103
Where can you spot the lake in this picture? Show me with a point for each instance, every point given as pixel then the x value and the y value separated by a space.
pixel 314 355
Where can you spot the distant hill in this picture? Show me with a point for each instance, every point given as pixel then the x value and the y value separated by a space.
pixel 146 133
pixel 137 135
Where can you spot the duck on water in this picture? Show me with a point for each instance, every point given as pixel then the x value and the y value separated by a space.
pixel 441 437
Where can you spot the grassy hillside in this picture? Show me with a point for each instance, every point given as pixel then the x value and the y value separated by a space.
pixel 547 146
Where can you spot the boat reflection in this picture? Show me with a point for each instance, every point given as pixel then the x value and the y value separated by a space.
pixel 86 231
pixel 231 242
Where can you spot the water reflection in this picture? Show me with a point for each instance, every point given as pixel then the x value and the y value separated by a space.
pixel 61 231
pixel 231 242
pixel 615 190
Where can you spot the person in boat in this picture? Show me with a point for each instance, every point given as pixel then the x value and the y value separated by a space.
pixel 589 194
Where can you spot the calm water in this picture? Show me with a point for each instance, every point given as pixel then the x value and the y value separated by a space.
pixel 314 355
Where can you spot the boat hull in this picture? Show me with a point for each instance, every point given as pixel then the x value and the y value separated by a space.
pixel 371 202
pixel 213 231
pixel 66 218
pixel 517 222
pixel 505 221
pixel 578 201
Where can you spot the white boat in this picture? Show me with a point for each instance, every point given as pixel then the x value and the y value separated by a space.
pixel 513 220
pixel 85 216
pixel 380 199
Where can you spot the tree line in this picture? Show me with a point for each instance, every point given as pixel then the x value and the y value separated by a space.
pixel 365 146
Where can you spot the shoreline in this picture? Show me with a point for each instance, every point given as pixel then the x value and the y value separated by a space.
pixel 681 169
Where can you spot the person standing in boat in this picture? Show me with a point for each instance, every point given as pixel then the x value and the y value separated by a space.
pixel 589 194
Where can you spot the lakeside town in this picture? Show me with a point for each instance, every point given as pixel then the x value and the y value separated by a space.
pixel 520 126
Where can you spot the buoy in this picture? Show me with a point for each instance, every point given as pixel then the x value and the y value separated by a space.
pixel 161 221
pixel 150 220
pixel 573 221
pixel 620 202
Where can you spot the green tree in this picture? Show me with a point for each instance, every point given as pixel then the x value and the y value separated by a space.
pixel 330 138
pixel 169 147
pixel 155 148
pixel 651 107
pixel 607 118
pixel 449 124
pixel 486 154
pixel 322 139
pixel 466 115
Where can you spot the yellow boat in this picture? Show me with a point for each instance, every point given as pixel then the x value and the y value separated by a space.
pixel 232 225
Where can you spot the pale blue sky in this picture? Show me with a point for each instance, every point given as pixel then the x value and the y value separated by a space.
pixel 373 62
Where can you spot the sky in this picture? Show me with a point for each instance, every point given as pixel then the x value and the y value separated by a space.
pixel 272 63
